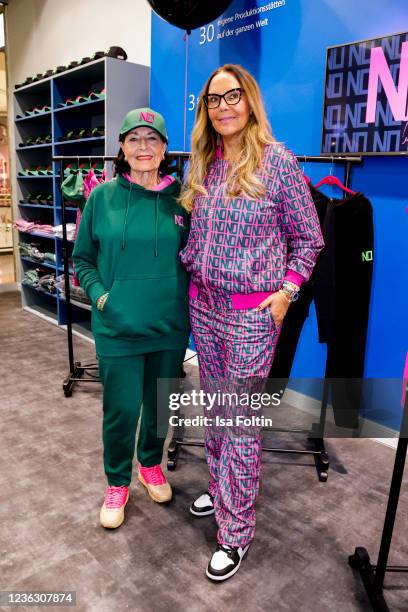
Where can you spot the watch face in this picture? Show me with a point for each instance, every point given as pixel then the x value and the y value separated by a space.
pixel 295 296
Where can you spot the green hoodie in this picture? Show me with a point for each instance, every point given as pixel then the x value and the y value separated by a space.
pixel 128 244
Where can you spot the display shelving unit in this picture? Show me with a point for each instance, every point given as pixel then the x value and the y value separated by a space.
pixel 126 86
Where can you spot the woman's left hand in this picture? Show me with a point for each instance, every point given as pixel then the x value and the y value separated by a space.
pixel 278 305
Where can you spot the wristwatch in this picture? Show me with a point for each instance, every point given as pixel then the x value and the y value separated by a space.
pixel 290 290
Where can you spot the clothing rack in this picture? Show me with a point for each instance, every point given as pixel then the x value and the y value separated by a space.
pixel 78 370
pixel 373 575
pixel 316 434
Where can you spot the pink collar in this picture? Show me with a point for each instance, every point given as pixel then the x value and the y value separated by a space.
pixel 165 182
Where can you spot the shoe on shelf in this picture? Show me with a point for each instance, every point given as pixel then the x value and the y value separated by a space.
pixel 98 131
pixel 155 482
pixel 203 505
pixel 225 562
pixel 112 512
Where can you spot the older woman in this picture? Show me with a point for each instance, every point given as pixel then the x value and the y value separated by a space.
pixel 126 258
pixel 254 239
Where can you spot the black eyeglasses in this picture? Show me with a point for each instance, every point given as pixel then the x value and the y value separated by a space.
pixel 231 97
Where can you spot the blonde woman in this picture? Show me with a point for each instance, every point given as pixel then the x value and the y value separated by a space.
pixel 254 239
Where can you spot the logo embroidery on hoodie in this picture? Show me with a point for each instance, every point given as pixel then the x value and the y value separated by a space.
pixel 148 117
pixel 178 220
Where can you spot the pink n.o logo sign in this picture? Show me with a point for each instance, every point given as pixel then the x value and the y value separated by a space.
pixel 397 95
pixel 366 97
pixel 147 117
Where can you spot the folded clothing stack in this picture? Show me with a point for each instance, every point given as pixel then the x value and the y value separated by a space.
pixel 32 226
pixel 24 226
pixel 76 292
pixel 70 231
pixel 30 249
pixel 47 283
pixel 40 280
pixel 31 278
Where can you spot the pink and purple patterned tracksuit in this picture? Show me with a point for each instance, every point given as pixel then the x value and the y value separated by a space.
pixel 239 251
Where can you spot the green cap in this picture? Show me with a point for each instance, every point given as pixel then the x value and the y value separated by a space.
pixel 144 117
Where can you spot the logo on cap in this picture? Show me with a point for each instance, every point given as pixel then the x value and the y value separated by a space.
pixel 148 117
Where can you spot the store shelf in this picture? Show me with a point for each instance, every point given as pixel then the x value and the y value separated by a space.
pixel 74 107
pixel 38 263
pixel 33 117
pixel 46 310
pixel 78 141
pixel 81 305
pixel 38 234
pixel 58 238
pixel 132 80
pixel 50 176
pixel 40 291
pixel 39 88
pixel 34 147
pixel 29 205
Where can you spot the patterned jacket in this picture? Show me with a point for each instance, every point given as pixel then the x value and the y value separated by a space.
pixel 241 245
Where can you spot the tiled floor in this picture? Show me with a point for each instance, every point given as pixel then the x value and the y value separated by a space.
pixel 52 483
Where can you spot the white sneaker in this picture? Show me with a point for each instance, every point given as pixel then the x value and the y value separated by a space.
pixel 203 505
pixel 112 513
pixel 225 562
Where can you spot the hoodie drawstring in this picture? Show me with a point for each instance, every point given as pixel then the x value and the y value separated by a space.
pixel 126 215
pixel 156 214
pixel 156 221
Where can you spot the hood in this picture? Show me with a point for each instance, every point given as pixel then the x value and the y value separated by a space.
pixel 172 189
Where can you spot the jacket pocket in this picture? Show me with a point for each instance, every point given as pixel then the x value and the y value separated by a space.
pixel 146 308
pixel 265 266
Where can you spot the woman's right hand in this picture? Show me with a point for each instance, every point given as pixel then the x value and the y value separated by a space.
pixel 101 301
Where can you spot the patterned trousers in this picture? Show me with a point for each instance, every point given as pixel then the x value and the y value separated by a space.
pixel 235 351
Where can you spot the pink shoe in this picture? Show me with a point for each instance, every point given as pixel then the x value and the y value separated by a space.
pixel 112 512
pixel 155 482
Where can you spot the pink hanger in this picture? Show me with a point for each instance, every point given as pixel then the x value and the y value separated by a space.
pixel 333 180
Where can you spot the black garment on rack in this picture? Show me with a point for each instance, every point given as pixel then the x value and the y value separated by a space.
pixel 340 286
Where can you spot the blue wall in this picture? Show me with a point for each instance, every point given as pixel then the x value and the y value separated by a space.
pixel 287 56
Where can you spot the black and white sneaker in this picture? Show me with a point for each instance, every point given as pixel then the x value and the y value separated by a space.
pixel 225 562
pixel 203 505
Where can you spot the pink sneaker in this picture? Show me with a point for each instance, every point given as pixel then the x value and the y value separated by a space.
pixel 155 482
pixel 113 510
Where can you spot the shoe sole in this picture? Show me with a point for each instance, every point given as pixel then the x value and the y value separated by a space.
pixel 119 523
pixel 206 513
pixel 151 495
pixel 231 573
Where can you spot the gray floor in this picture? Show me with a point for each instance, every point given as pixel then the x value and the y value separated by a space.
pixel 52 483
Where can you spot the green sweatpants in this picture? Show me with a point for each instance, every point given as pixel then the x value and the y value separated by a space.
pixel 129 382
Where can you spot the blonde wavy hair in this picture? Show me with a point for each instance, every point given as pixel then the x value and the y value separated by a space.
pixel 204 141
